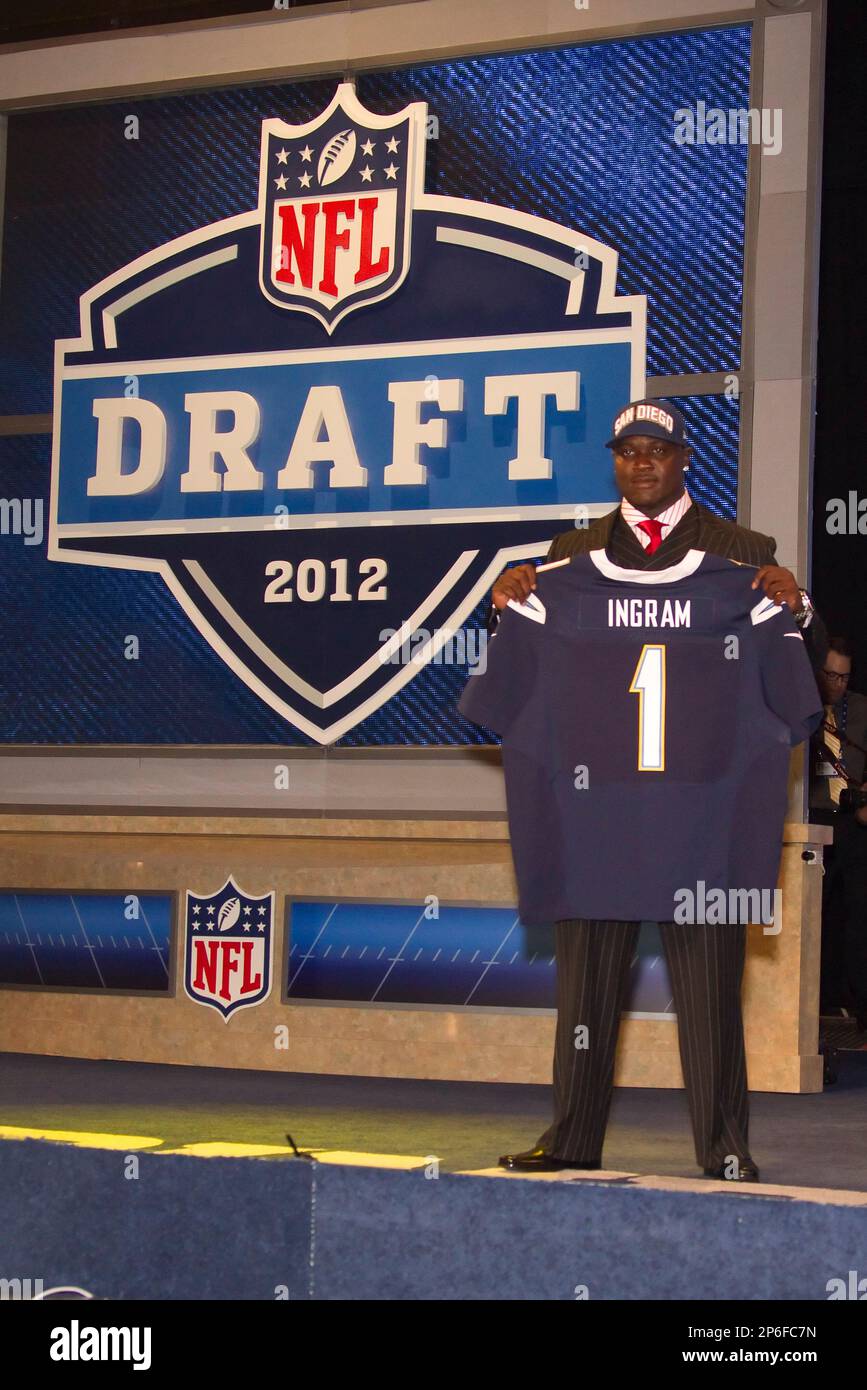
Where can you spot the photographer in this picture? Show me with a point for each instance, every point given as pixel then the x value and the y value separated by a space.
pixel 838 797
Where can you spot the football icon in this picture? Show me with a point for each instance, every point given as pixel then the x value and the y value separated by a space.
pixel 229 914
pixel 336 158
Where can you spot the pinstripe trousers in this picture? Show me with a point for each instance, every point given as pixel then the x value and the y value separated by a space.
pixel 705 965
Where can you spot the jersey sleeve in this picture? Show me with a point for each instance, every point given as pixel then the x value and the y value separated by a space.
pixel 497 691
pixel 788 682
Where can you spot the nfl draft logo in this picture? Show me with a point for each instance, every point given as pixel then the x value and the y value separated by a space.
pixel 330 421
pixel 228 948
pixel 334 200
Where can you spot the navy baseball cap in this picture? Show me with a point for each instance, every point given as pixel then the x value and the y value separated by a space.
pixel 659 419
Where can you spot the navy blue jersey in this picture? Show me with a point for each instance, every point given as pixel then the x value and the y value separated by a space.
pixel 647 718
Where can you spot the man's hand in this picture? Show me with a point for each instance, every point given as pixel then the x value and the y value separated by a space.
pixel 517 583
pixel 780 585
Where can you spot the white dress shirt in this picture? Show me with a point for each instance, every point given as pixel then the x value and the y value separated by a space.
pixel 668 519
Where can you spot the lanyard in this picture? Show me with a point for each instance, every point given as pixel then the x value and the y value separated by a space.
pixel 839 728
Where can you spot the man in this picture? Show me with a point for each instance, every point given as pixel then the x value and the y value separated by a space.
pixel 838 764
pixel 653 528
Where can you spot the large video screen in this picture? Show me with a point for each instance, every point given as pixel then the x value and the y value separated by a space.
pixel 322 360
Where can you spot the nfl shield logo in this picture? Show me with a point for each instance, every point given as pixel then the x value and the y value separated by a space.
pixel 335 201
pixel 330 501
pixel 228 948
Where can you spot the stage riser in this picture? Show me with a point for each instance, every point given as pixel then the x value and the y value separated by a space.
pixel 190 1228
pixel 375 862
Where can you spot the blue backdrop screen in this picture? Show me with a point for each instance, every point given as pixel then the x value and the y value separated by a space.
pixel 580 136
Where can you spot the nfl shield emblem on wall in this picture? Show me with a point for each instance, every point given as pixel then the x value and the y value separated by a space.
pixel 228 949
pixel 335 197
pixel 329 495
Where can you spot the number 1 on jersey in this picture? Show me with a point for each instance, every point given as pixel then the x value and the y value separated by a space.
pixel 648 683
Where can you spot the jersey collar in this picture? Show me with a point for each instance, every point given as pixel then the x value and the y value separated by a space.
pixel 685 567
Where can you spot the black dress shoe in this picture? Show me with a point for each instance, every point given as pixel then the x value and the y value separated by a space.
pixel 747 1172
pixel 540 1161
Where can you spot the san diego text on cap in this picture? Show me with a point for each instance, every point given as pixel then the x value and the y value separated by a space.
pixel 659 419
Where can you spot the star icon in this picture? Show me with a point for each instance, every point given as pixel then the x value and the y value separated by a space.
pixel 304 180
pixel 282 156
pixel 246 911
pixel 261 912
pixel 281 182
pixel 261 926
pixel 211 910
pixel 306 154
pixel 391 145
pixel 367 148
pixel 247 926
pixel 210 926
pixel 366 174
pixel 391 171
pixel 197 909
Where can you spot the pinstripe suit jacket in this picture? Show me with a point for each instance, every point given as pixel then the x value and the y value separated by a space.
pixel 698 529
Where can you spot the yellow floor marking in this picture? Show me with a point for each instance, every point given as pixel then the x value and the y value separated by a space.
pixel 218 1148
pixel 224 1149
pixel 82 1138
pixel 365 1160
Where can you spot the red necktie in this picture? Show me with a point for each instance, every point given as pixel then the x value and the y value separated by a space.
pixel 653 529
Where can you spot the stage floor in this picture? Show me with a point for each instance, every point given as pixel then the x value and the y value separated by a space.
pixel 797 1140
